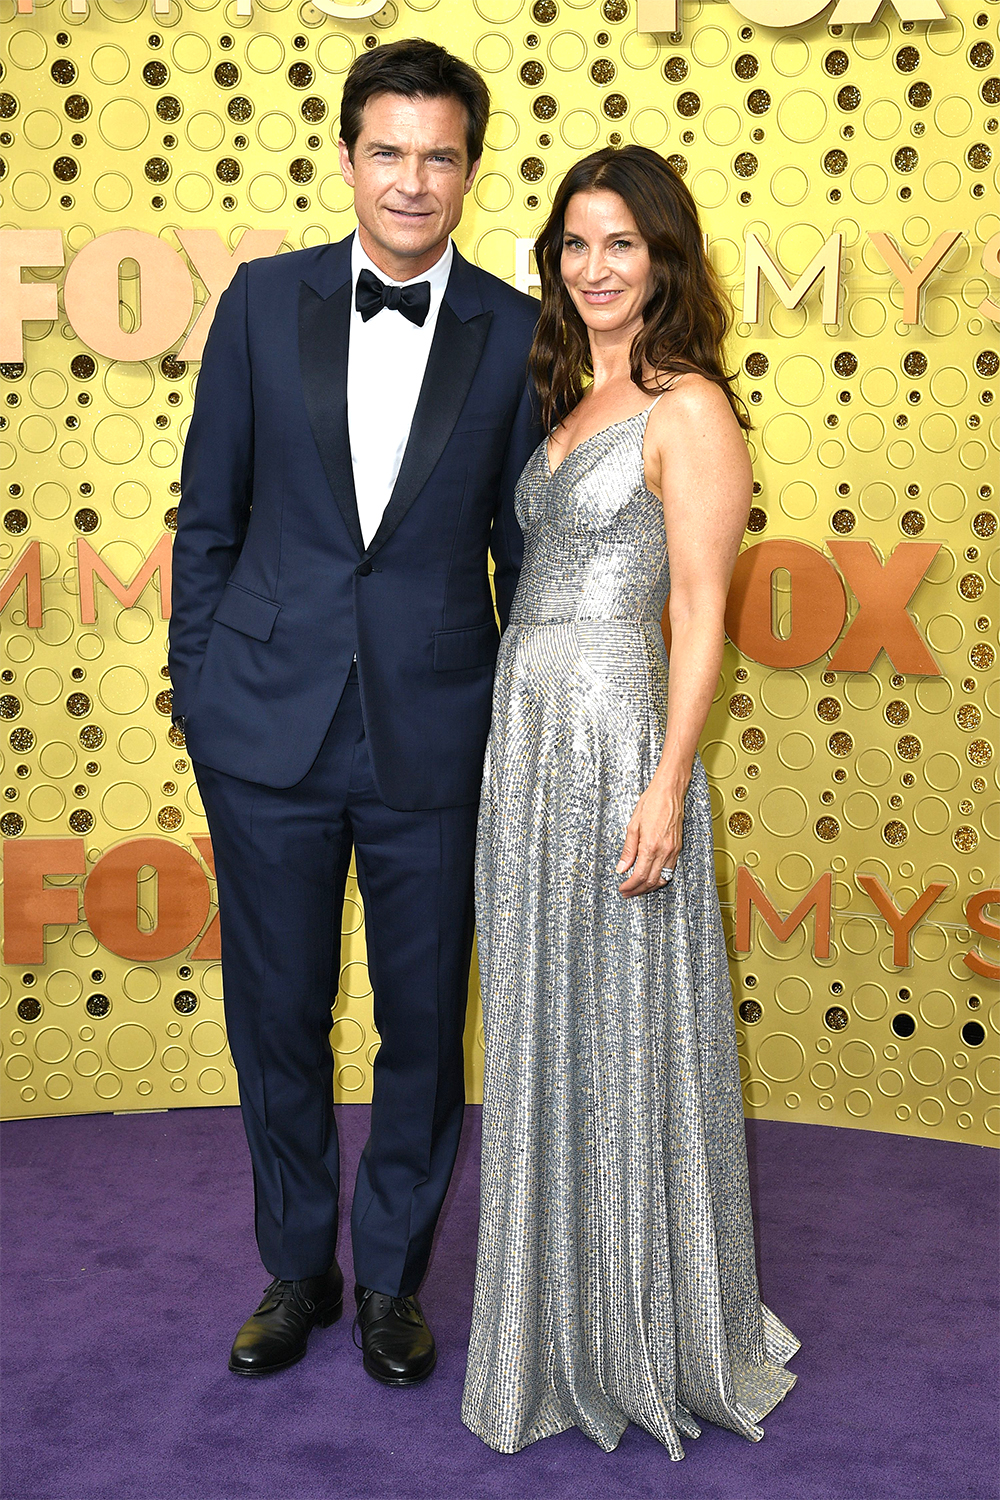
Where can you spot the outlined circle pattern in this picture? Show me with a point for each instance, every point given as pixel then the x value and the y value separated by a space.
pixel 869 431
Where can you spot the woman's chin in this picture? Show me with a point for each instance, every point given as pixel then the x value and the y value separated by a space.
pixel 605 319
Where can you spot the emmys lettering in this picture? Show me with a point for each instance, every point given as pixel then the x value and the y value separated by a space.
pixel 651 15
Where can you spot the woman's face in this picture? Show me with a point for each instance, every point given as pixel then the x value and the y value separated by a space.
pixel 605 262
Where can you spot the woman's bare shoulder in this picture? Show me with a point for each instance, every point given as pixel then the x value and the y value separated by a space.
pixel 692 394
pixel 695 408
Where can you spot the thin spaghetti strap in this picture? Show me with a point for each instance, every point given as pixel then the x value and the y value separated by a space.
pixel 666 390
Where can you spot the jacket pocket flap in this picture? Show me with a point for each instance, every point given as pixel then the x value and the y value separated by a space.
pixel 248 613
pixel 458 649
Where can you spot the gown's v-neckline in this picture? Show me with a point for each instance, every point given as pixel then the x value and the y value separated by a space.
pixel 552 472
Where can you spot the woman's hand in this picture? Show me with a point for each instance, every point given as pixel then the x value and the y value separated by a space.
pixel 653 838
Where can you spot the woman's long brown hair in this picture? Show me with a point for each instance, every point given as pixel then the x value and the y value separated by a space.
pixel 687 317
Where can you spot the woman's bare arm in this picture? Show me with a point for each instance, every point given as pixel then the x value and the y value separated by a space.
pixel 697 462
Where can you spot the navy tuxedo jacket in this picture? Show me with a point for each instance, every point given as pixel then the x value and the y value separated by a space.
pixel 274 591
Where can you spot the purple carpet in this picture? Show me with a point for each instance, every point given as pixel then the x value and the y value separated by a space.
pixel 129 1262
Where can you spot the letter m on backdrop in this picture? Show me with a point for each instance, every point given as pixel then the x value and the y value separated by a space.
pixel 759 265
pixel 26 569
pixel 92 566
pixel 749 895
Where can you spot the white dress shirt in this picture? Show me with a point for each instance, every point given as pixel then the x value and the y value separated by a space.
pixel 386 360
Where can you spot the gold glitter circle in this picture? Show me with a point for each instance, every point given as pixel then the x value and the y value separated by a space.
pixel 968 716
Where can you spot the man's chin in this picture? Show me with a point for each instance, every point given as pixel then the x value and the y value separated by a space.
pixel 417 243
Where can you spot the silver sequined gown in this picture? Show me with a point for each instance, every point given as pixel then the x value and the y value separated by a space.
pixel 616 1279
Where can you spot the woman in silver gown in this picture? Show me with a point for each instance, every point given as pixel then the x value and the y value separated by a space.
pixel 616 1279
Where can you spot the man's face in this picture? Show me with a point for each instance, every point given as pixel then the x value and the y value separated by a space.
pixel 410 174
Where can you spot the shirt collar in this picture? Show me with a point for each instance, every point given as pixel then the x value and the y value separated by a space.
pixel 437 275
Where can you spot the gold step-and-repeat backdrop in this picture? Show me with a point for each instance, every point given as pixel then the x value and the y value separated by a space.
pixel 844 162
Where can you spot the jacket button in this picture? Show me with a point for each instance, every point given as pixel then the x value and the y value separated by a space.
pixel 363 569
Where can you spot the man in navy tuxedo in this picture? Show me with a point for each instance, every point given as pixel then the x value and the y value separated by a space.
pixel 361 420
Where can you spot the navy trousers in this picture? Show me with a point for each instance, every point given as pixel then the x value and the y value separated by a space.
pixel 281 859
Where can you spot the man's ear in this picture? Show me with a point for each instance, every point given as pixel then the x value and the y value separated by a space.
pixel 347 166
pixel 471 177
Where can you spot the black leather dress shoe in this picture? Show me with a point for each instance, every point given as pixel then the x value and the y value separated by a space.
pixel 276 1335
pixel 398 1346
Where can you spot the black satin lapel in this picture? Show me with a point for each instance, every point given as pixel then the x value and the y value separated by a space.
pixel 324 332
pixel 456 350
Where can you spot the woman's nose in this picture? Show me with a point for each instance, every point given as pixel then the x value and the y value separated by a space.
pixel 596 265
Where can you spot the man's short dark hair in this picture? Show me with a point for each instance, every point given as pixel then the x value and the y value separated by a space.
pixel 417 69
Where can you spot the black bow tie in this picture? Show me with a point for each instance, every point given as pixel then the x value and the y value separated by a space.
pixel 413 300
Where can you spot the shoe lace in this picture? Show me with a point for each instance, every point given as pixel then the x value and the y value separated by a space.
pixel 401 1306
pixel 285 1291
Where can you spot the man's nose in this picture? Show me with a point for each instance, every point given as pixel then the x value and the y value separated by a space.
pixel 412 175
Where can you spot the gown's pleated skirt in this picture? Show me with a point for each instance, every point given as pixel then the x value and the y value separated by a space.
pixel 616 1278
